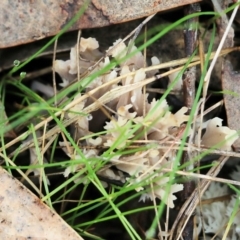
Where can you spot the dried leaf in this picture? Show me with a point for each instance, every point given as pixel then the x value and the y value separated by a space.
pixel 27 21
pixel 24 216
pixel 230 84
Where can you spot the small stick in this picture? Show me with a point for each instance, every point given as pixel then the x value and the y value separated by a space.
pixel 189 79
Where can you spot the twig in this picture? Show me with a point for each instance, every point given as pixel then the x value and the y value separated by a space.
pixel 190 38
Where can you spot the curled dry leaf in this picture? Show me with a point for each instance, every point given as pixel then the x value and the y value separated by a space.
pixel 24 216
pixel 26 21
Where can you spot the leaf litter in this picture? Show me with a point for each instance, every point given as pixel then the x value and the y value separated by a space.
pixel 25 216
pixel 129 115
pixel 28 21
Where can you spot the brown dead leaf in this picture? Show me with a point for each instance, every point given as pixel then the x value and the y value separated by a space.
pixel 24 216
pixel 230 85
pixel 27 21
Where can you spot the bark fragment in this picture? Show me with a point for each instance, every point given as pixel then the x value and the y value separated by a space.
pixel 27 21
pixel 231 87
